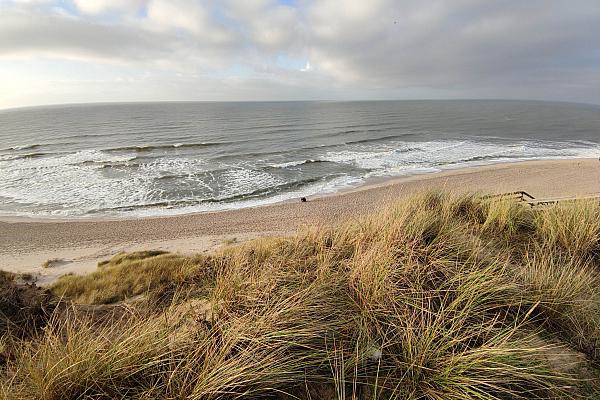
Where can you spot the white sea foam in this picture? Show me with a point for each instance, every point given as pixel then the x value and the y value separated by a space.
pixel 76 185
pixel 65 185
pixel 435 155
pixel 318 188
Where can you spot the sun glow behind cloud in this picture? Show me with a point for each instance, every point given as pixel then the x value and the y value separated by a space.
pixel 143 50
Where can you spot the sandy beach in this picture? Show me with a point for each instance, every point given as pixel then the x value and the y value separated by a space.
pixel 77 246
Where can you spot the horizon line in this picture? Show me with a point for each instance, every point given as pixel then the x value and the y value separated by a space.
pixel 100 103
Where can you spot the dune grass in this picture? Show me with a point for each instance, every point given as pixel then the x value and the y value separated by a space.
pixel 128 275
pixel 437 297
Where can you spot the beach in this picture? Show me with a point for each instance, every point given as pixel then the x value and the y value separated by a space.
pixel 310 200
pixel 77 246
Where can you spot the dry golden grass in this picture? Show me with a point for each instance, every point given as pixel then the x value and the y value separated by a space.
pixel 128 275
pixel 438 297
pixel 572 226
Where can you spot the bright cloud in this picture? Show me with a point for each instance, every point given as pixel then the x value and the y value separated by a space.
pixel 104 6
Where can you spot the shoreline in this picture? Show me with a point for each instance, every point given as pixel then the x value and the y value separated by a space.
pixel 369 183
pixel 378 182
pixel 80 244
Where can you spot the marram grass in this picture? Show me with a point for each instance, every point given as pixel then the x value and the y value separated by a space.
pixel 438 297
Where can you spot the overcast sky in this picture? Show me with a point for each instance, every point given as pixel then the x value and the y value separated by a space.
pixel 67 51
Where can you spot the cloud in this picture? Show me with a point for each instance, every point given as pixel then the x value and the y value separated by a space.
pixel 462 43
pixel 31 34
pixel 266 24
pixel 547 49
pixel 104 6
pixel 188 17
pixel 171 33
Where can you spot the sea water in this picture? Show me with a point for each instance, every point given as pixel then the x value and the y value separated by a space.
pixel 144 159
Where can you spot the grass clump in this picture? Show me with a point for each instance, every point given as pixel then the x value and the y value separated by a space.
pixel 230 241
pixel 572 226
pixel 128 275
pixel 438 297
pixel 135 256
pixel 51 262
pixel 27 277
pixel 75 360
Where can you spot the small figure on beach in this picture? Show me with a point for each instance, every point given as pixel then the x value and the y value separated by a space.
pixel 303 199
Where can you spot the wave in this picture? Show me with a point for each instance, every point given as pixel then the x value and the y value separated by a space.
pixel 379 139
pixel 265 192
pixel 375 128
pixel 224 169
pixel 530 155
pixel 24 147
pixel 183 174
pixel 27 147
pixel 258 193
pixel 178 183
pixel 24 156
pixel 56 160
pixel 297 163
pixel 321 147
pixel 486 157
pixel 261 153
pixel 144 148
pixel 586 143
pixel 87 157
pixel 114 164
pixel 372 140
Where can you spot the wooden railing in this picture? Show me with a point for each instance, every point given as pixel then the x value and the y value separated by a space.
pixel 520 195
pixel 532 201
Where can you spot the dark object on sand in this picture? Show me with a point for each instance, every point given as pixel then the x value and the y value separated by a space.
pixel 303 199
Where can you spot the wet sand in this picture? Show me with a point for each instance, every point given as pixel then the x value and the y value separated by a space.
pixel 79 245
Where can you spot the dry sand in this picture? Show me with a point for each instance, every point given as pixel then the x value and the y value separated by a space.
pixel 77 246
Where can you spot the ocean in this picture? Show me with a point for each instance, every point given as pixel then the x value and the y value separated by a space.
pixel 149 159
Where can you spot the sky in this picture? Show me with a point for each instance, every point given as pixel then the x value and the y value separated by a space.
pixel 73 51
